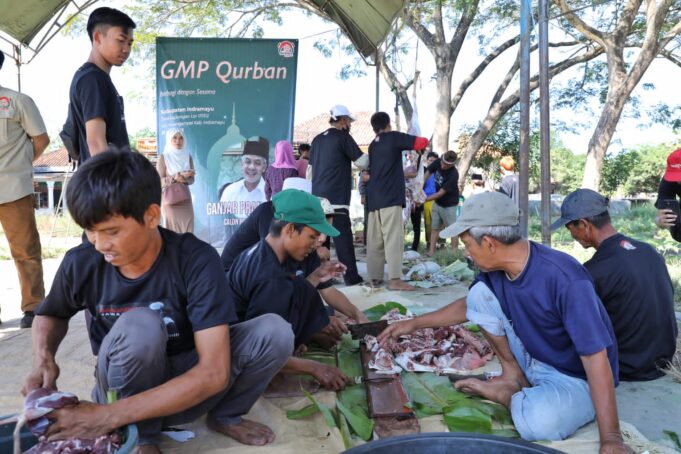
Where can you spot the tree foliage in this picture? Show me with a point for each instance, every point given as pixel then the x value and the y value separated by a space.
pixel 635 171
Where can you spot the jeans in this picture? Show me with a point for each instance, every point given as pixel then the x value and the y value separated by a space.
pixel 557 404
pixel 133 358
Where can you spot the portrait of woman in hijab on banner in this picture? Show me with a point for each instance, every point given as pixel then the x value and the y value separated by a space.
pixel 176 168
pixel 284 167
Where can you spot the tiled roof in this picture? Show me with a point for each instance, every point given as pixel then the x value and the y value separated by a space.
pixel 361 128
pixel 53 158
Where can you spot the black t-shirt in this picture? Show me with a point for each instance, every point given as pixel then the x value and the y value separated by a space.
pixel 386 186
pixel 632 281
pixel 669 190
pixel 93 95
pixel 186 279
pixel 510 185
pixel 448 180
pixel 331 156
pixel 259 284
pixel 256 227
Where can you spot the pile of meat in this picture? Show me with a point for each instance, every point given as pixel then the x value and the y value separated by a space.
pixel 452 349
pixel 37 405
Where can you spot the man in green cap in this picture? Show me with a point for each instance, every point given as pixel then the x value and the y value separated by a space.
pixel 260 283
pixel 538 310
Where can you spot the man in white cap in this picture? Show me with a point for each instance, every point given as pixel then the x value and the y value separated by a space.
pixel 538 310
pixel 331 156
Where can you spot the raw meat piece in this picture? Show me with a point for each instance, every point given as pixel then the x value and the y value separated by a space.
pixel 471 339
pixel 42 401
pixel 371 343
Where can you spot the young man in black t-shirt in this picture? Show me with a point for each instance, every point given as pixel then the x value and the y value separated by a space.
pixel 160 318
pixel 331 158
pixel 668 195
pixel 633 283
pixel 446 197
pixel 260 282
pixel 385 196
pixel 95 105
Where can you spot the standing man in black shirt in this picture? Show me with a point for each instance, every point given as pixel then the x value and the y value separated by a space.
pixel 331 156
pixel 161 318
pixel 632 281
pixel 446 197
pixel 95 105
pixel 386 198
pixel 668 194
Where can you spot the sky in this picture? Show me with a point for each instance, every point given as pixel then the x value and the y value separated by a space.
pixel 47 78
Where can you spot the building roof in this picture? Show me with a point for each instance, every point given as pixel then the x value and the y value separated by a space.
pixel 52 159
pixel 361 129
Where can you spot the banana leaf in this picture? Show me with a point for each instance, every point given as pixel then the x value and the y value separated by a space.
pixel 347 343
pixel 350 363
pixel 361 424
pixel 674 437
pixel 375 313
pixel 464 418
pixel 344 430
pixel 303 412
pixel 508 433
pixel 326 411
pixel 430 393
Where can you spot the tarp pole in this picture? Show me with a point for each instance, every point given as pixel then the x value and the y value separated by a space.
pixel 17 60
pixel 544 122
pixel 378 70
pixel 524 113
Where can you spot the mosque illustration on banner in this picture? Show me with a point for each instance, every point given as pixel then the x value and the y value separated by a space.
pixel 224 157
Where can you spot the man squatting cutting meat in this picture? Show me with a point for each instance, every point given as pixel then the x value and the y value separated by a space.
pixel 539 311
pixel 163 328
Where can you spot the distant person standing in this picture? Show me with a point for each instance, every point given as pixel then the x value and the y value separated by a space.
pixel 284 167
pixel 386 194
pixel 668 194
pixel 429 189
pixel 303 160
pixel 176 167
pixel 331 156
pixel 23 138
pixel 510 185
pixel 476 187
pixel 95 105
pixel 446 196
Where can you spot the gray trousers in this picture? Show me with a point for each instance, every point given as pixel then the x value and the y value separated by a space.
pixel 133 358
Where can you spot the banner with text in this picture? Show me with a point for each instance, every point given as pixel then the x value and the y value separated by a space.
pixel 232 100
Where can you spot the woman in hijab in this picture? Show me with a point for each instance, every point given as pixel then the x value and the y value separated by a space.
pixel 284 167
pixel 175 166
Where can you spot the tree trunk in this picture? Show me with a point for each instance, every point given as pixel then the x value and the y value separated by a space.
pixel 443 110
pixel 598 144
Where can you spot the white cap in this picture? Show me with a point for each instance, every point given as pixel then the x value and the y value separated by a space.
pixel 340 110
pixel 297 183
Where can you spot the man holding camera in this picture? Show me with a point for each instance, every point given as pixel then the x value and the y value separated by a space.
pixel 667 196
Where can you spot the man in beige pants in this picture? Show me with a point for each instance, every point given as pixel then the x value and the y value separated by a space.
pixel 23 138
pixel 385 199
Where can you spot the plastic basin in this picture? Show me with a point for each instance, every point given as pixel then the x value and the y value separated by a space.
pixel 28 439
pixel 450 442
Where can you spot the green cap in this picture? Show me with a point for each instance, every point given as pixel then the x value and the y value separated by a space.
pixel 293 205
pixel 486 209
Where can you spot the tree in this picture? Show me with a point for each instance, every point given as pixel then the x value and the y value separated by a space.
pixel 652 29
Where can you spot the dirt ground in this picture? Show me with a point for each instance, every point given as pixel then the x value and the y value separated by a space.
pixel 649 408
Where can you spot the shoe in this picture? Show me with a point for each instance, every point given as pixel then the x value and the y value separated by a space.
pixel 27 319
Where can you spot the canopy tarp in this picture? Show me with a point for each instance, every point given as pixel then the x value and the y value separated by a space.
pixel 365 22
pixel 22 20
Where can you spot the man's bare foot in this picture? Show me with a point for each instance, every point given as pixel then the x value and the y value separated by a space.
pixel 246 432
pixel 500 390
pixel 399 284
pixel 148 449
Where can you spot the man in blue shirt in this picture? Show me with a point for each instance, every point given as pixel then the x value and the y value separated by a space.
pixel 540 314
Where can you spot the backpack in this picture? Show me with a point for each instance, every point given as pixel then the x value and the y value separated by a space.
pixel 69 136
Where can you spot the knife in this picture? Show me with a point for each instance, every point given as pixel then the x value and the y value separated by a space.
pixel 359 330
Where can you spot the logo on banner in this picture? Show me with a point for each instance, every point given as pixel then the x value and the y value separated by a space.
pixel 286 48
